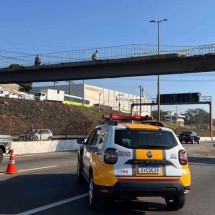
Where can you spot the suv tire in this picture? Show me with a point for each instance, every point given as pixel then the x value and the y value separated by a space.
pixel 79 170
pixel 95 202
pixel 1 155
pixel 175 203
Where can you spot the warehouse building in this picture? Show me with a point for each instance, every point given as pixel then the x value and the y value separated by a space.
pixel 102 97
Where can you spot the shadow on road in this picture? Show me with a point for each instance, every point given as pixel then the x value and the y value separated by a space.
pixel 202 160
pixel 139 207
pixel 21 193
pixel 26 192
pixel 134 207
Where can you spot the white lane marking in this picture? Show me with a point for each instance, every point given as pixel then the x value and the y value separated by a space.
pixel 30 155
pixel 53 204
pixel 45 167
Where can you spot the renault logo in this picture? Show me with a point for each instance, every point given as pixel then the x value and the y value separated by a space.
pixel 149 154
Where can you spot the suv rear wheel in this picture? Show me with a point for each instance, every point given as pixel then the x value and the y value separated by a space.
pixel 79 169
pixel 1 155
pixel 95 202
pixel 175 203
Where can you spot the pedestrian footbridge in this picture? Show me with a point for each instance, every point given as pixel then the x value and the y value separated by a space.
pixel 112 62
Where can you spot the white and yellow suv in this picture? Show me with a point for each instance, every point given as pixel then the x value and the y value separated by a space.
pixel 127 160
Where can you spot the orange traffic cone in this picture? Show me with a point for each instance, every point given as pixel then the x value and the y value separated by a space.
pixel 11 168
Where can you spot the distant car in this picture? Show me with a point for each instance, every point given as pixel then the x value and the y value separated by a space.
pixel 189 136
pixel 27 136
pixel 43 134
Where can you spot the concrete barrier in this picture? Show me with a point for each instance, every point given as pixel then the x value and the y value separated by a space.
pixel 207 138
pixel 32 147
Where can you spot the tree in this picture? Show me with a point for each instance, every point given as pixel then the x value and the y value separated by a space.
pixel 24 87
pixel 14 66
pixel 155 114
pixel 198 117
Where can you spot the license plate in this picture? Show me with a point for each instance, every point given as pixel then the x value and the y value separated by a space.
pixel 149 169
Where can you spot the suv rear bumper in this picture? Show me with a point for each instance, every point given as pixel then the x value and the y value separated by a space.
pixel 142 188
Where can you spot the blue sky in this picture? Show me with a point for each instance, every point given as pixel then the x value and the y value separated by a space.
pixel 44 26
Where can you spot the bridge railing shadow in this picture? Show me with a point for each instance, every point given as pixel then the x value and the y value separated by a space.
pixel 202 160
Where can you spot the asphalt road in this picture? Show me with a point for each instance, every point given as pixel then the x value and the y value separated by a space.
pixel 46 184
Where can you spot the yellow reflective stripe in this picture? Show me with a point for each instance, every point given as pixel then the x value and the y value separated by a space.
pixel 142 154
pixel 140 126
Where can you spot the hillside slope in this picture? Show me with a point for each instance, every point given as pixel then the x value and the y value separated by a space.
pixel 17 116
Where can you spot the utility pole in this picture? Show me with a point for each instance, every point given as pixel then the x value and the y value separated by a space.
pixel 69 87
pixel 54 85
pixel 99 99
pixel 141 95
pixel 118 99
pixel 83 94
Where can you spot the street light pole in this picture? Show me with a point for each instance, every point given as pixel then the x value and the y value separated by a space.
pixel 158 83
pixel 83 93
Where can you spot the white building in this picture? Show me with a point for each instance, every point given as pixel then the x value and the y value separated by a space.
pixel 174 118
pixel 101 96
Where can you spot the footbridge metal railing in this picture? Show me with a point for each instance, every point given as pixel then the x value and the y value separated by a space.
pixel 105 53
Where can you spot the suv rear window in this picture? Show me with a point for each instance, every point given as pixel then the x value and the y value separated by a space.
pixel 145 139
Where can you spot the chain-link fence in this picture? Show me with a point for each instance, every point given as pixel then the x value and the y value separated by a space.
pixel 16 126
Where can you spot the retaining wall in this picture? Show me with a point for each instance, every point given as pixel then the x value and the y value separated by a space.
pixel 207 138
pixel 32 147
pixel 55 146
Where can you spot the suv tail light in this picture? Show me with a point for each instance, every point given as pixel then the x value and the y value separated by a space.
pixel 110 156
pixel 183 158
pixel 186 190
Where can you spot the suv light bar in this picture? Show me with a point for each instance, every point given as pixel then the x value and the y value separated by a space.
pixel 122 117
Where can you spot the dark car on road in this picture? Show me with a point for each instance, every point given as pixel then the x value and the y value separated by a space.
pixel 189 136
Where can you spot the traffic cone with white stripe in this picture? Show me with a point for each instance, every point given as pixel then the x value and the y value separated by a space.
pixel 11 168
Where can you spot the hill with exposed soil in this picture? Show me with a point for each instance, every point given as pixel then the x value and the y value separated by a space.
pixel 17 116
